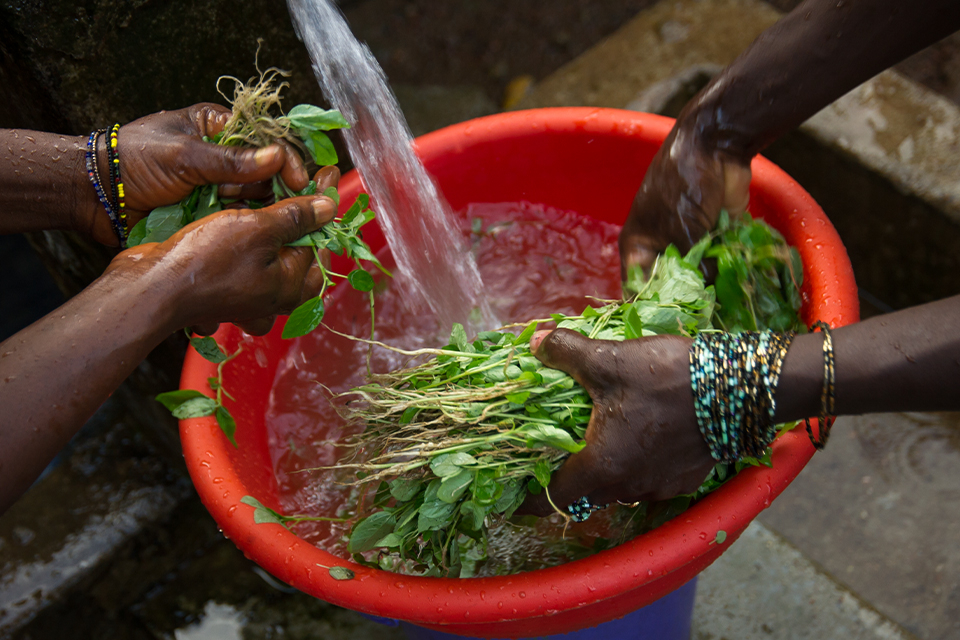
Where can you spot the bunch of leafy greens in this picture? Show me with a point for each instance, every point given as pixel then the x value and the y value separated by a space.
pixel 252 123
pixel 452 446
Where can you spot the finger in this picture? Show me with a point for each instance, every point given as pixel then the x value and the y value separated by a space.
pixel 579 476
pixel 296 217
pixel 570 352
pixel 327 177
pixel 736 187
pixel 252 191
pixel 258 327
pixel 215 116
pixel 216 164
pixel 636 252
pixel 312 284
pixel 206 329
pixel 295 264
pixel 293 173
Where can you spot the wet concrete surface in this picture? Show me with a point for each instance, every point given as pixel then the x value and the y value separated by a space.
pixel 879 509
pixel 764 587
pixel 108 489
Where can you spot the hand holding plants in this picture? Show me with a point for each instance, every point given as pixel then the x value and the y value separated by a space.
pixel 164 157
pixel 643 442
pixel 687 184
pixel 234 265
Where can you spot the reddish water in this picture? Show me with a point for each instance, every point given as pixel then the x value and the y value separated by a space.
pixel 534 262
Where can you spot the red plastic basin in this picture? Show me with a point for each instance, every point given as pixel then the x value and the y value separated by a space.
pixel 581 159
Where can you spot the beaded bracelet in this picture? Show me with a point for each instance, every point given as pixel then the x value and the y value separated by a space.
pixel 734 380
pixel 93 173
pixel 828 398
pixel 116 181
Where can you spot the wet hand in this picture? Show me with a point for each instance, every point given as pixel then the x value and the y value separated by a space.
pixel 163 158
pixel 643 442
pixel 685 187
pixel 326 177
pixel 233 266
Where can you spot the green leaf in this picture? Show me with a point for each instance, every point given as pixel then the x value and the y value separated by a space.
pixel 227 424
pixel 262 514
pixel 138 233
pixel 721 537
pixel 526 334
pixel 458 337
pixel 632 325
pixel 173 399
pixel 473 513
pixel 486 489
pixel 448 464
pixel 517 398
pixel 333 194
pixel 435 515
pixel 454 486
pixel 308 116
pixel 209 349
pixel 360 280
pixel 195 408
pixel 208 202
pixel 320 146
pixel 389 540
pixel 408 415
pixel 371 530
pixel 163 222
pixel 537 433
pixel 541 471
pixel 404 489
pixel 309 190
pixel 341 573
pixel 304 318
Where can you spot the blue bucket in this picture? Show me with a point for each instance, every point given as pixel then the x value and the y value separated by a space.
pixel 669 618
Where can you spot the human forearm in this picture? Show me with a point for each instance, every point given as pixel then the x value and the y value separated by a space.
pixel 903 361
pixel 56 373
pixel 43 182
pixel 815 54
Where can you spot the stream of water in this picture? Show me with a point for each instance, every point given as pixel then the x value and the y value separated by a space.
pixel 418 224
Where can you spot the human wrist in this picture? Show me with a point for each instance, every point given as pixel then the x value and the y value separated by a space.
pixel 156 288
pixel 801 382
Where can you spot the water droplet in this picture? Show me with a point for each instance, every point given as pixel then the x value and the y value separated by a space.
pixel 523 595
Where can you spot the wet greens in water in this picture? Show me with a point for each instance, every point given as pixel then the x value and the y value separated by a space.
pixel 452 446
pixel 341 236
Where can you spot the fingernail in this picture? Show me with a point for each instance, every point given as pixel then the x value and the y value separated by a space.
pixel 230 190
pixel 323 207
pixel 537 338
pixel 266 155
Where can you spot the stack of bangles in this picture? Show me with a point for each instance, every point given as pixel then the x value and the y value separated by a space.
pixel 734 380
pixel 111 195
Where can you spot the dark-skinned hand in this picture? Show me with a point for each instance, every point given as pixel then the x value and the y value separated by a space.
pixel 236 263
pixel 643 442
pixel 163 158
pixel 683 191
pixel 326 177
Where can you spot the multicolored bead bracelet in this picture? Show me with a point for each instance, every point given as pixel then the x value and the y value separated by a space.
pixel 734 379
pixel 116 180
pixel 93 173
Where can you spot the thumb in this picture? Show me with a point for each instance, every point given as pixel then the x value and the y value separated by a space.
pixel 296 217
pixel 216 164
pixel 570 352
pixel 577 477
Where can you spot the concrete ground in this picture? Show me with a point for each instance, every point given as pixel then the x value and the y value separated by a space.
pixel 862 545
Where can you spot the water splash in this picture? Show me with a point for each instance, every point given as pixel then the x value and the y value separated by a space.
pixel 432 261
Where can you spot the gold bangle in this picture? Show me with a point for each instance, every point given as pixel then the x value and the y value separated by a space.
pixel 828 399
